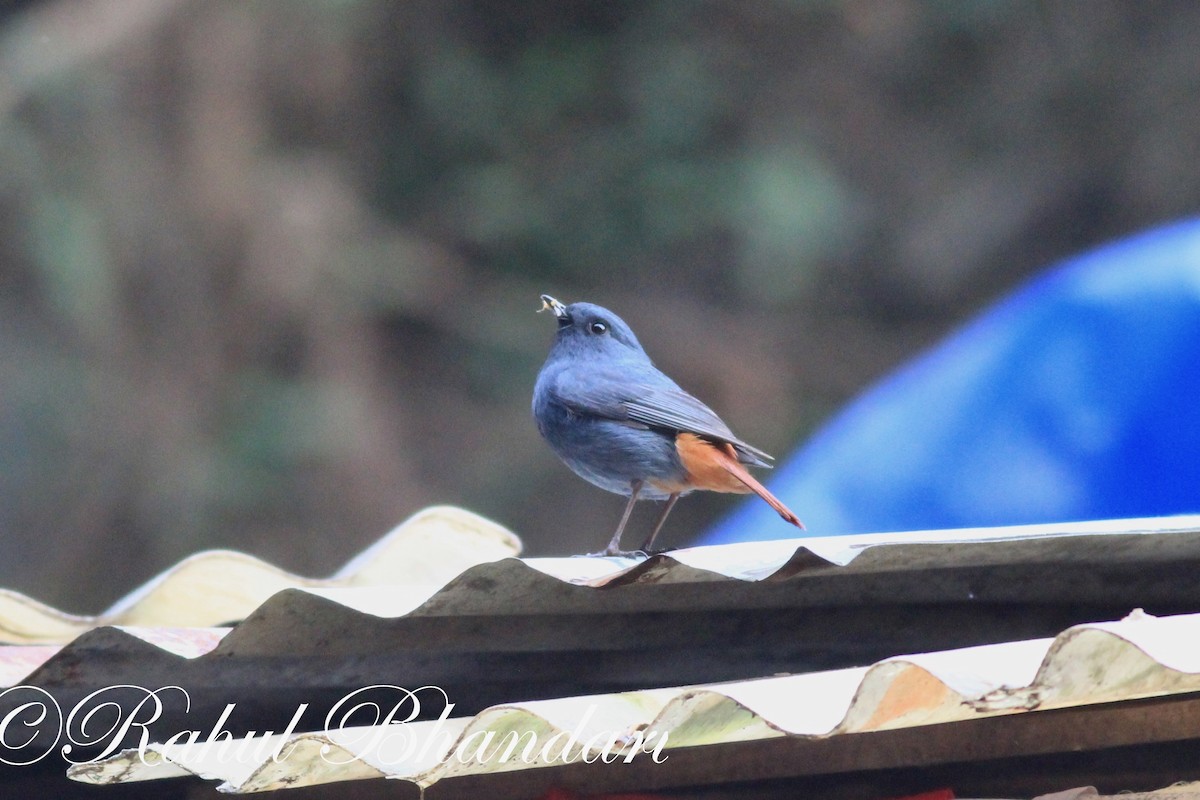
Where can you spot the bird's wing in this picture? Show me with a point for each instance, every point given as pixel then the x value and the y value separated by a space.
pixel 674 408
pixel 637 394
pixel 595 392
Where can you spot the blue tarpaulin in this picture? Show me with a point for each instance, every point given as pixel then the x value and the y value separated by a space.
pixel 1076 397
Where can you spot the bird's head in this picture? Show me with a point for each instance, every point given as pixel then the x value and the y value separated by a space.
pixel 588 328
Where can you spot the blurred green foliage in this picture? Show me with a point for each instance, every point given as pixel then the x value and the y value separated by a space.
pixel 267 270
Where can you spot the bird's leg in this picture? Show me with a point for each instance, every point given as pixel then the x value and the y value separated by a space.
pixel 614 547
pixel 661 519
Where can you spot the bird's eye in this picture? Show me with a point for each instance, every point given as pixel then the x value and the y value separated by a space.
pixel 598 328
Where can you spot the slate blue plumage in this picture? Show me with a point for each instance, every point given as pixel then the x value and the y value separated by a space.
pixel 618 422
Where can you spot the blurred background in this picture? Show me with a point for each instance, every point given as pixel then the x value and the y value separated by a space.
pixel 268 270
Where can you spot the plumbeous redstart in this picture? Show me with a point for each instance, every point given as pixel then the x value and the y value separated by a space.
pixel 617 421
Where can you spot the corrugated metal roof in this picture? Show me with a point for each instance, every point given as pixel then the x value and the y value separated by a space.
pixel 434 546
pixel 1139 657
pixel 537 629
pixel 221 586
pixel 765 607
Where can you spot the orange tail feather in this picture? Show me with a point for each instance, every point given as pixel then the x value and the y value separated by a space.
pixel 714 466
pixel 738 471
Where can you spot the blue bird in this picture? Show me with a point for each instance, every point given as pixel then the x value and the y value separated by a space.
pixel 618 422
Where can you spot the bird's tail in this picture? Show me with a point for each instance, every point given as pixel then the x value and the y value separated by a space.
pixel 714 465
pixel 735 469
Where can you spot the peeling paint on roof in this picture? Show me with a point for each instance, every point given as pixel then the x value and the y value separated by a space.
pixel 1138 657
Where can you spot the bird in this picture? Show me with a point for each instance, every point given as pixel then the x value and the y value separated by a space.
pixel 623 425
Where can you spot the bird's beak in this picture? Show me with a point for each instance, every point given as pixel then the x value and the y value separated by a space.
pixel 550 304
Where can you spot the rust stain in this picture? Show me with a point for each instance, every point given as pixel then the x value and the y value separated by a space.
pixel 912 692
